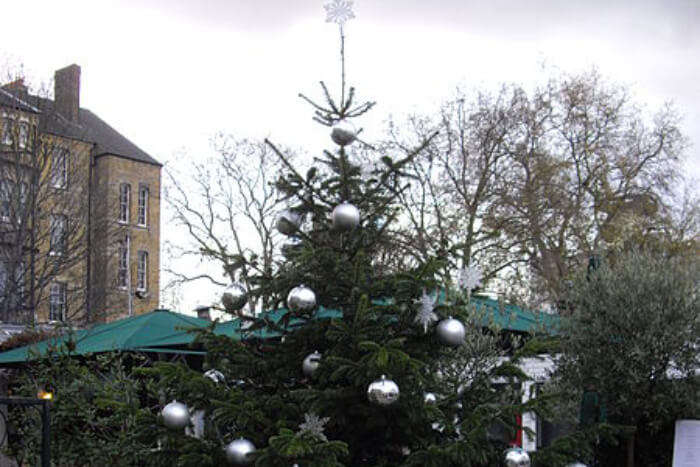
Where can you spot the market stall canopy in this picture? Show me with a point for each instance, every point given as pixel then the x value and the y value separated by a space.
pixel 147 332
pixel 169 332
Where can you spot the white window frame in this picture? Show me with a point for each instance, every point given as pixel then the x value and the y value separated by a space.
pixel 23 132
pixel 123 264
pixel 7 124
pixel 142 271
pixel 5 200
pixel 57 301
pixel 4 278
pixel 124 202
pixel 57 245
pixel 59 167
pixel 142 215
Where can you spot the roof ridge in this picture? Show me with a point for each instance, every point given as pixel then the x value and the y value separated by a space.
pixel 21 101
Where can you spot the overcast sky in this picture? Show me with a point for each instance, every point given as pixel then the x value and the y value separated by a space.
pixel 168 74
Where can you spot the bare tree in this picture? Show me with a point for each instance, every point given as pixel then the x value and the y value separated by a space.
pixel 529 185
pixel 53 225
pixel 455 183
pixel 43 215
pixel 584 162
pixel 227 206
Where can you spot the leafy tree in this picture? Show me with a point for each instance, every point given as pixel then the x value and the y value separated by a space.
pixel 633 338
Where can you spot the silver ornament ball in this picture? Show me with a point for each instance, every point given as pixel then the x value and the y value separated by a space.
pixel 234 297
pixel 175 415
pixel 345 217
pixel 576 464
pixel 301 298
pixel 343 133
pixel 383 391
pixel 429 398
pixel 517 457
pixel 311 363
pixel 237 452
pixel 451 331
pixel 289 221
pixel 215 375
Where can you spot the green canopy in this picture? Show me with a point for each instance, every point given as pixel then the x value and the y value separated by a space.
pixel 147 332
pixel 163 330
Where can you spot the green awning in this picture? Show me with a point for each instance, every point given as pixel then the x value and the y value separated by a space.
pixel 164 330
pixel 158 328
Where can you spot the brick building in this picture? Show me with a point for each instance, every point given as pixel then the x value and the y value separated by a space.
pixel 79 211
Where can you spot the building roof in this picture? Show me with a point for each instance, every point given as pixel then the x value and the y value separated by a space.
pixel 7 99
pixel 90 128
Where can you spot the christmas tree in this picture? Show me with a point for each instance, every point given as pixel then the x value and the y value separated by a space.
pixel 361 363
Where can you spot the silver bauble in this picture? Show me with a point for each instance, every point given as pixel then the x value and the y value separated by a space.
pixel 576 464
pixel 451 331
pixel 289 221
pixel 345 217
pixel 234 297
pixel 343 133
pixel 311 363
pixel 301 298
pixel 429 398
pixel 215 375
pixel 237 452
pixel 175 415
pixel 517 457
pixel 383 391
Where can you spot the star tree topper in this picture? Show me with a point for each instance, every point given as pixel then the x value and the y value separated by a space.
pixel 338 11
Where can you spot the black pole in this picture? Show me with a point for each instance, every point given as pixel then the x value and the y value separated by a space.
pixel 45 435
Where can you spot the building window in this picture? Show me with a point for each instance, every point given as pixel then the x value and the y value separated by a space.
pixel 23 192
pixel 10 128
pixel 23 133
pixel 123 271
pixel 3 279
pixel 143 205
pixel 7 125
pixel 58 234
pixel 5 197
pixel 57 301
pixel 124 202
pixel 59 168
pixel 142 271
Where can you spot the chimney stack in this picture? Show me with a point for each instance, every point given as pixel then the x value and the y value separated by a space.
pixel 17 88
pixel 203 312
pixel 67 92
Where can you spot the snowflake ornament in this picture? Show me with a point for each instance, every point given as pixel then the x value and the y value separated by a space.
pixel 426 316
pixel 314 425
pixel 469 278
pixel 338 11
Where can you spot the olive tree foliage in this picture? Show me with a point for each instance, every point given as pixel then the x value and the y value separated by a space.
pixel 227 206
pixel 530 183
pixel 633 337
